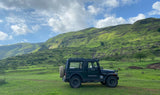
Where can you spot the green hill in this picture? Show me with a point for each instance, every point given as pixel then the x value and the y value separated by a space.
pixel 121 39
pixel 92 37
pixel 121 42
pixel 17 49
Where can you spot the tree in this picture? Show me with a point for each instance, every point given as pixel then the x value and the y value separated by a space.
pixel 140 56
pixel 158 29
pixel 102 43
pixel 14 66
pixel 2 72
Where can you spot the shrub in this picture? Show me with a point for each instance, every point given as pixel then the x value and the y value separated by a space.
pixel 158 29
pixel 2 81
pixel 140 56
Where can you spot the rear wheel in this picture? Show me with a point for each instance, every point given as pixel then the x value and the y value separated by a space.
pixel 111 81
pixel 75 82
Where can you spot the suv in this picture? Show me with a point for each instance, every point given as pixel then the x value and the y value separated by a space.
pixel 80 70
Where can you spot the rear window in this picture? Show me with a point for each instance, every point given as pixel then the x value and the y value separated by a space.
pixel 75 65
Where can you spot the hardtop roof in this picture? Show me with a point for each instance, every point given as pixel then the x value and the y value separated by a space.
pixel 82 59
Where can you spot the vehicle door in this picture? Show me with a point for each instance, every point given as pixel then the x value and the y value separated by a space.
pixel 75 68
pixel 93 71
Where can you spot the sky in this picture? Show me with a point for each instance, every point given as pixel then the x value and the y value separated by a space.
pixel 35 21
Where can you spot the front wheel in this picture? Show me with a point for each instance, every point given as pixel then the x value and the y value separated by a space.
pixel 111 81
pixel 75 82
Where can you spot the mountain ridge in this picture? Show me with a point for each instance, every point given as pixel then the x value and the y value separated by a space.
pixel 17 49
pixel 59 40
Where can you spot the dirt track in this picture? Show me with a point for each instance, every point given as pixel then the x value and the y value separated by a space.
pixel 154 66
pixel 135 67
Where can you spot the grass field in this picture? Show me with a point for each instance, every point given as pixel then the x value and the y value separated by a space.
pixel 44 80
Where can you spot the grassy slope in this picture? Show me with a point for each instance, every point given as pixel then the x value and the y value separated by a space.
pixel 142 30
pixel 17 49
pixel 121 39
pixel 44 80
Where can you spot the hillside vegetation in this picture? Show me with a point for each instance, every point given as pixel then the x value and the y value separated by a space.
pixel 122 42
pixel 121 39
pixel 17 49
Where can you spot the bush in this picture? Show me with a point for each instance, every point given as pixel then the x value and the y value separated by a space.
pixel 140 55
pixel 158 30
pixel 2 81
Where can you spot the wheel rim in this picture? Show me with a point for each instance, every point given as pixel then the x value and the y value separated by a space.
pixel 75 82
pixel 112 82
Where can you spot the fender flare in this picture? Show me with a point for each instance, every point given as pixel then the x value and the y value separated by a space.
pixel 110 74
pixel 76 74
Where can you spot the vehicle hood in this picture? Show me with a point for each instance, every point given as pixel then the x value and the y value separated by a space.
pixel 105 71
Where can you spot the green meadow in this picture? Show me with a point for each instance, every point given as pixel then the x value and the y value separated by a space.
pixel 44 80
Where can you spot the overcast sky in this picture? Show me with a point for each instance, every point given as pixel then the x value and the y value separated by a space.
pixel 38 20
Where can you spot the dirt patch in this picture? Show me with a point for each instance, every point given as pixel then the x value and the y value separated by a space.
pixel 153 66
pixel 135 67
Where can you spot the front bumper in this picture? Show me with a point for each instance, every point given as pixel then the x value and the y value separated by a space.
pixel 117 77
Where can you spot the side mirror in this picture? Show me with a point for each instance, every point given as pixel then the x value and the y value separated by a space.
pixel 101 68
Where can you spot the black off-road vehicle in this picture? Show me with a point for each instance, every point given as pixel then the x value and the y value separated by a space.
pixel 80 70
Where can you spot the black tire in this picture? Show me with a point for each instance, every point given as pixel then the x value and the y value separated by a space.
pixel 111 81
pixel 103 83
pixel 75 82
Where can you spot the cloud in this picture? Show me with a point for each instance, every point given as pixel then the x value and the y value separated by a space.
pixel 117 3
pixel 110 21
pixel 63 15
pixel 14 20
pixel 1 21
pixel 111 3
pixel 138 17
pixel 128 2
pixel 35 27
pixel 24 41
pixel 3 6
pixel 19 26
pixel 156 5
pixel 51 5
pixel 70 18
pixel 156 9
pixel 93 10
pixel 20 29
pixel 4 36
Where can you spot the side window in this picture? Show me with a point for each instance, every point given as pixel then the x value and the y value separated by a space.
pixel 92 65
pixel 95 65
pixel 75 65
